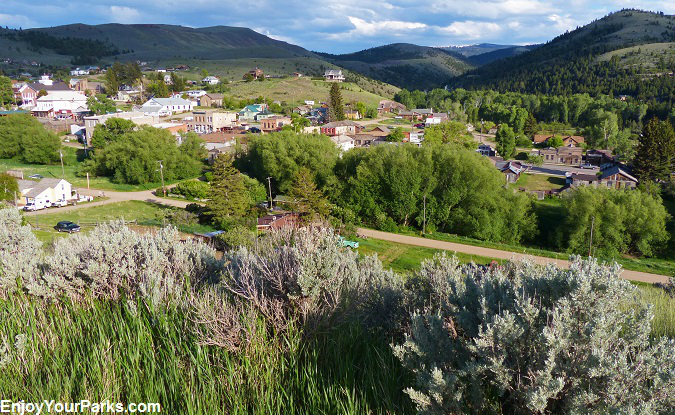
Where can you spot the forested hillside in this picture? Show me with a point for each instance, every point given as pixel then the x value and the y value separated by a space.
pixel 571 62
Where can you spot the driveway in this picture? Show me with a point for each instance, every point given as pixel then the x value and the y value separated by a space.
pixel 495 253
pixel 113 197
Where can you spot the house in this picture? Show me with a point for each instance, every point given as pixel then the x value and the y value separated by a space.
pixel 334 75
pixel 341 127
pixel 194 94
pixel 562 155
pixel 79 72
pixel 206 122
pixel 352 114
pixel 211 80
pixel 255 73
pixel 137 117
pixel 166 106
pixel 278 221
pixel 211 100
pixel 274 123
pixel 219 140
pixel 486 150
pixel 568 141
pixel 45 192
pixel 615 177
pixel 61 104
pixel 302 109
pixel 366 139
pixel 387 106
pixel 512 171
pixel 28 93
pixel 599 157
pixel 417 114
pixel 436 119
pixel 251 112
pixel 126 95
pixel 84 85
pixel 343 142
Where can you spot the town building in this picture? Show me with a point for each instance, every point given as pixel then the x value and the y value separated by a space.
pixel 166 106
pixel 334 75
pixel 274 123
pixel 61 104
pixel 563 155
pixel 206 122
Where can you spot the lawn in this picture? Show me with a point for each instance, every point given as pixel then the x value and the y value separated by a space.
pixel 539 182
pixel 70 168
pixel 405 258
pixel 144 213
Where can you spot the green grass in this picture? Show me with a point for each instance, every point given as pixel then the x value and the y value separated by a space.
pixel 71 167
pixel 144 213
pixel 664 310
pixel 539 182
pixel 404 258
pixel 125 351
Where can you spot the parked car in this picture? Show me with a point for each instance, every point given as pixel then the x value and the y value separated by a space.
pixel 254 130
pixel 60 203
pixel 32 206
pixel 420 125
pixel 588 166
pixel 67 226
pixel 36 176
pixel 85 198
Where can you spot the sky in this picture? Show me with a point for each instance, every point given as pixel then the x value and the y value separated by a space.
pixel 341 26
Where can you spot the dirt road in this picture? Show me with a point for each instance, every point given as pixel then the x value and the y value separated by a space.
pixel 495 253
pixel 113 197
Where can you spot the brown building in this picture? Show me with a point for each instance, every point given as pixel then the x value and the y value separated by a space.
pixel 562 155
pixel 568 141
pixel 211 100
pixel 255 73
pixel 389 106
pixel 278 221
pixel 367 138
pixel 274 123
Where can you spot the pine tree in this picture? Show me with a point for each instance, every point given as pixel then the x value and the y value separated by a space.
pixel 531 126
pixel 306 197
pixel 336 110
pixel 228 198
pixel 655 156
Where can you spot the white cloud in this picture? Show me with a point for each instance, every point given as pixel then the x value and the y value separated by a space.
pixel 493 9
pixel 16 20
pixel 123 14
pixel 380 28
pixel 471 30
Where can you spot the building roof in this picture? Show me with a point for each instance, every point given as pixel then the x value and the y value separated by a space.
pixel 345 123
pixel 169 101
pixel 342 139
pixel 56 86
pixel 59 95
pixel 36 188
pixel 214 95
pixel 333 72
pixel 617 170
pixel 513 167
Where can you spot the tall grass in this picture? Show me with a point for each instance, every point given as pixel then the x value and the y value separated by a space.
pixel 663 323
pixel 124 351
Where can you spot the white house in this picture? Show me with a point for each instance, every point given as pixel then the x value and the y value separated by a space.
pixel 195 93
pixel 166 106
pixel 334 75
pixel 343 142
pixel 79 72
pixel 416 138
pixel 45 192
pixel 211 80
pixel 61 104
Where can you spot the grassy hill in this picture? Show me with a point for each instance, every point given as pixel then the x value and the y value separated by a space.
pixel 404 65
pixel 580 60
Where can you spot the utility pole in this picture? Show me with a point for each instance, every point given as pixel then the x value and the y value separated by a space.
pixel 482 123
pixel 269 184
pixel 424 220
pixel 63 170
pixel 87 180
pixel 161 173
pixel 590 244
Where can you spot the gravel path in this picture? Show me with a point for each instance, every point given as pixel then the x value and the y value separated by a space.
pixel 495 253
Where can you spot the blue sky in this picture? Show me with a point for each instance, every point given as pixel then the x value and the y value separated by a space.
pixel 342 25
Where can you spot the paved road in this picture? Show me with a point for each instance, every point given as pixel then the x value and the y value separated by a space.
pixel 495 253
pixel 113 197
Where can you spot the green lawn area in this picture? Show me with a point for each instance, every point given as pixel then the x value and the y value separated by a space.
pixel 539 182
pixel 144 213
pixel 71 166
pixel 403 258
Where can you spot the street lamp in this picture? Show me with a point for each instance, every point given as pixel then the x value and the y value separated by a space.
pixel 63 170
pixel 269 184
pixel 161 173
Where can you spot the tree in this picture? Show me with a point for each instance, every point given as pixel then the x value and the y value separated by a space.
pixel 158 89
pixel 361 109
pixel 299 123
pixel 248 77
pixel 42 93
pixel 526 339
pixel 6 92
pixel 306 197
pixel 24 137
pixel 531 127
pixel 555 142
pixel 228 199
pixel 396 135
pixel 99 104
pixel 506 141
pixel 336 111
pixel 632 222
pixel 449 132
pixel 112 130
pixel 9 187
pixel 112 80
pixel 178 83
pixel 655 156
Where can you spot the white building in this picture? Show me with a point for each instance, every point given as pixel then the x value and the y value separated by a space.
pixel 79 72
pixel 206 122
pixel 416 138
pixel 343 142
pixel 211 80
pixel 45 192
pixel 166 106
pixel 62 104
pixel 334 75
pixel 195 93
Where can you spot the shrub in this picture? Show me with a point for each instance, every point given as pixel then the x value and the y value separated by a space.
pixel 533 339
pixel 192 189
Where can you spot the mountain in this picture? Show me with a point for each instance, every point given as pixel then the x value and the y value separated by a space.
pixel 404 65
pixel 497 54
pixel 479 49
pixel 594 58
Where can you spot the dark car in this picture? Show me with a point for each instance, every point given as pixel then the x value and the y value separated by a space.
pixel 421 125
pixel 254 130
pixel 67 226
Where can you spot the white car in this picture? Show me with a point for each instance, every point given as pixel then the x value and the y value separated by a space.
pixel 31 207
pixel 588 166
pixel 85 198
pixel 60 203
